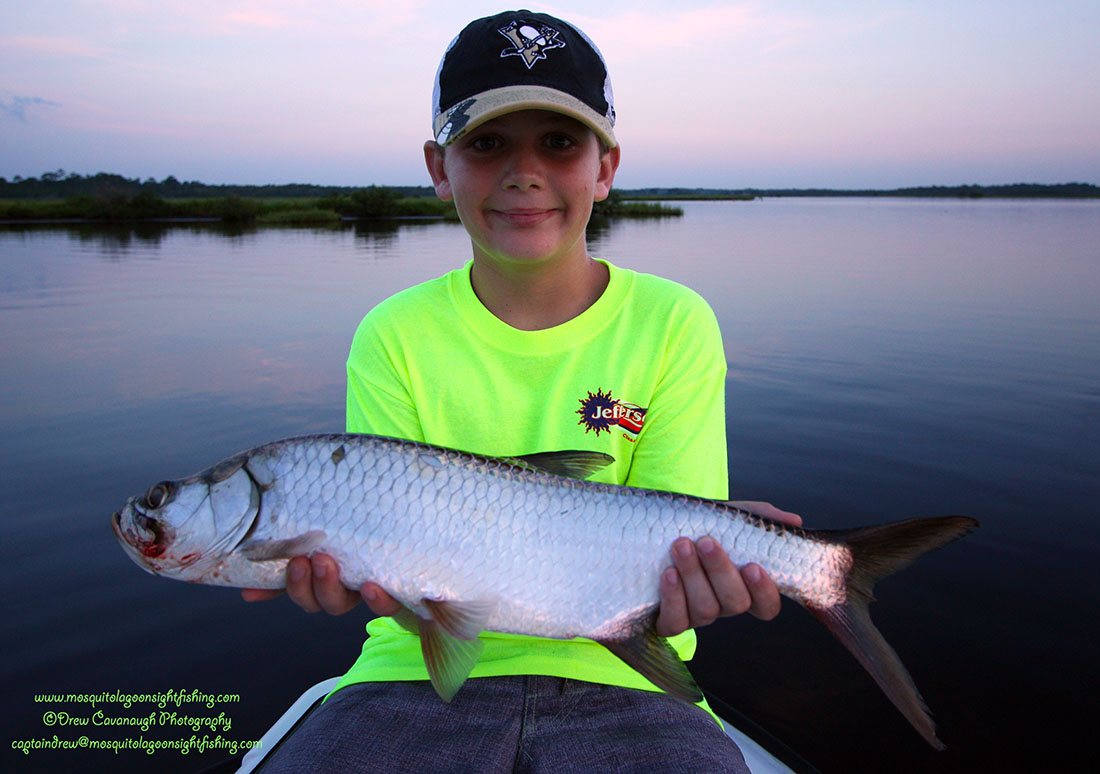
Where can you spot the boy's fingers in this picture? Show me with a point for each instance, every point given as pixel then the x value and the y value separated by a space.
pixel 260 595
pixel 702 603
pixel 765 594
pixel 314 585
pixel 672 615
pixel 705 584
pixel 724 578
pixel 329 592
pixel 299 584
pixel 768 511
pixel 380 602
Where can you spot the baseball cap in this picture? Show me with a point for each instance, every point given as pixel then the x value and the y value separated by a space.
pixel 519 60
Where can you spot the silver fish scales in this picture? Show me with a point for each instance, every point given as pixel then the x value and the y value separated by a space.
pixel 470 543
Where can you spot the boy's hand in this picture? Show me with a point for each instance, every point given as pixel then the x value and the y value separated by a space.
pixel 314 584
pixel 703 584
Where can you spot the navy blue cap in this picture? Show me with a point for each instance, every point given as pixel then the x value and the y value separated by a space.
pixel 519 60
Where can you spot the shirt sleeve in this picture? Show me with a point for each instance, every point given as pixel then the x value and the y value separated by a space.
pixel 682 447
pixel 378 400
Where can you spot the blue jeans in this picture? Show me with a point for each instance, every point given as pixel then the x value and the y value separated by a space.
pixel 523 724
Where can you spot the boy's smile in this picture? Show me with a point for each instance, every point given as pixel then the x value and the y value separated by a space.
pixel 523 185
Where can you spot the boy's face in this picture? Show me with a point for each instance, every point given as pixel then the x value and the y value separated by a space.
pixel 523 184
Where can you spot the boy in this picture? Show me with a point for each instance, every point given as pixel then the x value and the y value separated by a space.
pixel 500 358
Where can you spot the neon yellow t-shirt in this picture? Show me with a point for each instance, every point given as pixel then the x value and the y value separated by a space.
pixel 640 375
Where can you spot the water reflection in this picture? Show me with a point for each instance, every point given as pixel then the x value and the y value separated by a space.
pixel 380 239
pixel 116 240
pixel 886 359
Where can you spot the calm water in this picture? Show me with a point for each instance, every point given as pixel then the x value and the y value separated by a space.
pixel 888 359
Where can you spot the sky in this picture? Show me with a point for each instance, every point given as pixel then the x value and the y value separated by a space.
pixel 764 94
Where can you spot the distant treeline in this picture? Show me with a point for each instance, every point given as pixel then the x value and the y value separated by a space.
pixel 1011 191
pixel 63 185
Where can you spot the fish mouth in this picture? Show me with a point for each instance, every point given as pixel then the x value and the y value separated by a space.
pixel 150 547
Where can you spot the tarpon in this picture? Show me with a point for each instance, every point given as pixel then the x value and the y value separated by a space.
pixel 470 543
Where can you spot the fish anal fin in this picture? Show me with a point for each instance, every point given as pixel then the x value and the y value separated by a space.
pixel 407 620
pixel 571 464
pixel 259 550
pixel 655 660
pixel 464 620
pixel 448 659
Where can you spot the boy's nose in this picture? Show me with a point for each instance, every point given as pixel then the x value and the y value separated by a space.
pixel 524 170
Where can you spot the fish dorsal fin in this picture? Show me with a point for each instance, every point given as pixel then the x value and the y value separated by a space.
pixel 464 620
pixel 655 659
pixel 262 549
pixel 571 464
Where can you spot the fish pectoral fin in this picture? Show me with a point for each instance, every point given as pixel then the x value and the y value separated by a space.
pixel 449 660
pixel 461 619
pixel 655 659
pixel 571 464
pixel 262 549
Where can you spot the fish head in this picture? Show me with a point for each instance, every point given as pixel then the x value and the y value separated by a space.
pixel 184 528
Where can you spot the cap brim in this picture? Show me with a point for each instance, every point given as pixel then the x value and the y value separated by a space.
pixel 476 110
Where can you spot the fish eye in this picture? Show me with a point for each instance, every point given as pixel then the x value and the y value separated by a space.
pixel 159 495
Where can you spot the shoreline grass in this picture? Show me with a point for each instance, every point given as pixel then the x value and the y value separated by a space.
pixel 227 209
pixel 365 204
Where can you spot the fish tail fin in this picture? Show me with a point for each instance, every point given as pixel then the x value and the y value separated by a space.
pixel 877 552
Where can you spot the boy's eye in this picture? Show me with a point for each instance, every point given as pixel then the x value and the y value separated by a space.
pixel 484 143
pixel 559 141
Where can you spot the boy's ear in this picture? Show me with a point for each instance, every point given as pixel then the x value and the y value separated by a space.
pixel 609 162
pixel 433 157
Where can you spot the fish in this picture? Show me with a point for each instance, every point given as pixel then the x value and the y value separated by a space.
pixel 471 543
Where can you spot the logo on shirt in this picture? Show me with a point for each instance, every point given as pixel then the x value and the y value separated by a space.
pixel 600 412
pixel 529 42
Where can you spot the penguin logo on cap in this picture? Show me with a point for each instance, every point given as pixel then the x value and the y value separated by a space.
pixel 530 42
